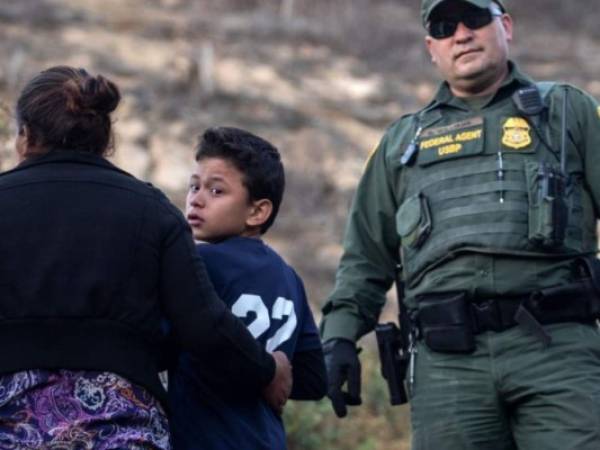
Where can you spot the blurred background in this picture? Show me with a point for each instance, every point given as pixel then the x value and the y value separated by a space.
pixel 321 79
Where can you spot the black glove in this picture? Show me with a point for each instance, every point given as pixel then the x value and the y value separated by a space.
pixel 343 365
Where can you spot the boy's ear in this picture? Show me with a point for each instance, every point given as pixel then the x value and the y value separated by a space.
pixel 260 211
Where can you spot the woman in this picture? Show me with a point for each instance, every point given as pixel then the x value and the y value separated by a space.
pixel 91 259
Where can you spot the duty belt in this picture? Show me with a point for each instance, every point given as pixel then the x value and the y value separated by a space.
pixel 530 313
pixel 445 317
pixel 494 314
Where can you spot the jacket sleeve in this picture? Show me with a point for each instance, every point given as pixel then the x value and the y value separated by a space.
pixel 370 251
pixel 201 322
pixel 587 137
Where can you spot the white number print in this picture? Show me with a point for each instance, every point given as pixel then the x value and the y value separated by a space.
pixel 247 303
pixel 281 308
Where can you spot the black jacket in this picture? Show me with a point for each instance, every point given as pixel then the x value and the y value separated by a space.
pixel 91 259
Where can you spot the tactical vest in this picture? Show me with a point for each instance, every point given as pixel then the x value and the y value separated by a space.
pixel 488 182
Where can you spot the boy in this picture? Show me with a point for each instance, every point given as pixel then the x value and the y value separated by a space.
pixel 233 198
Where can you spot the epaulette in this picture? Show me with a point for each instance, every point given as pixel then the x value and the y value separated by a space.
pixel 544 87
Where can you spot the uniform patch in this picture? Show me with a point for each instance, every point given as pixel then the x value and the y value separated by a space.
pixel 598 110
pixel 450 141
pixel 517 133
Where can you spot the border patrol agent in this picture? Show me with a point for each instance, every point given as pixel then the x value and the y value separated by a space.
pixel 487 201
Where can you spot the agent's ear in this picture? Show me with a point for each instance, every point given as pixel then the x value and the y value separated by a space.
pixel 507 24
pixel 428 45
pixel 260 211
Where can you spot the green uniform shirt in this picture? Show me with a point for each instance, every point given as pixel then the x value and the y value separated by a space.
pixel 450 131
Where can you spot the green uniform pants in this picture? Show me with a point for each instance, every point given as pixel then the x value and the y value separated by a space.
pixel 511 393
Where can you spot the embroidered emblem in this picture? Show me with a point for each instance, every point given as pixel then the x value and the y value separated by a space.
pixel 456 140
pixel 516 133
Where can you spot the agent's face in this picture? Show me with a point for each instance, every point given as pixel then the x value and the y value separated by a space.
pixel 217 203
pixel 471 60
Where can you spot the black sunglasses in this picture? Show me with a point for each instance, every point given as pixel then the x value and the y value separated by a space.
pixel 473 19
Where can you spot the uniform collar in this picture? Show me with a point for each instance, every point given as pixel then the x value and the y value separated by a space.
pixel 515 77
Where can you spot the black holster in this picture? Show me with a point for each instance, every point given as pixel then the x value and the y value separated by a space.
pixel 393 354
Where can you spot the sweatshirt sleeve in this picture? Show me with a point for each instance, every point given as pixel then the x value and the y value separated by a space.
pixel 587 138
pixel 310 376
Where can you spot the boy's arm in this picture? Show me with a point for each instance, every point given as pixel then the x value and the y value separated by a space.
pixel 308 363
pixel 310 377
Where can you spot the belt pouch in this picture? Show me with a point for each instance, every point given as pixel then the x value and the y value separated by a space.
pixel 564 303
pixel 589 270
pixel 446 324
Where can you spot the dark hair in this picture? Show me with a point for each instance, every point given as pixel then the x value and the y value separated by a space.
pixel 257 159
pixel 68 109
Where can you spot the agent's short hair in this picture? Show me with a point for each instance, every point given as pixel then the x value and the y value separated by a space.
pixel 257 159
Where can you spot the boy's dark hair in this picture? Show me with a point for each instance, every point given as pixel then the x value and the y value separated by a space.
pixel 257 159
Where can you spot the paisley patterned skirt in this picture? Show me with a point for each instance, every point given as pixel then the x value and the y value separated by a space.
pixel 77 410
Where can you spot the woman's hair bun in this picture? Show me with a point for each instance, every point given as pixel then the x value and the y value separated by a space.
pixel 100 94
pixel 67 108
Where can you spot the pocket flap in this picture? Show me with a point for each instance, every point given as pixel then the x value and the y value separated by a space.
pixel 408 216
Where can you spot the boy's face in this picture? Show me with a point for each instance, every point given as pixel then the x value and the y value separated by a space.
pixel 217 203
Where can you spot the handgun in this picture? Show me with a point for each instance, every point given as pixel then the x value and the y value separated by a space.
pixel 394 358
